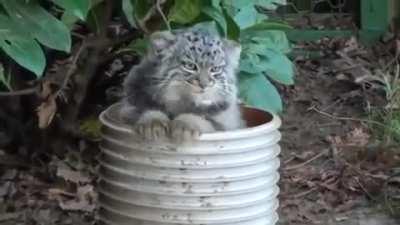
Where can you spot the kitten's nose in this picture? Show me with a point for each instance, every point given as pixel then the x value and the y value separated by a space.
pixel 204 81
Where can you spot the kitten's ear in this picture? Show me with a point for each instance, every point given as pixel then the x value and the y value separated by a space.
pixel 232 50
pixel 161 41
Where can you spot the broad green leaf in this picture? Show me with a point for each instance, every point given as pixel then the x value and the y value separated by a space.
pixel 257 91
pixel 141 8
pixel 270 4
pixel 278 67
pixel 210 26
pixel 128 9
pixel 233 28
pixel 184 11
pixel 251 63
pixel 135 10
pixel 26 52
pixel 268 39
pixel 79 8
pixel 275 64
pixel 20 46
pixel 41 24
pixel 248 16
pixel 139 46
pixel 96 19
pixel 268 25
pixel 69 19
pixel 215 3
pixel 238 4
pixel 218 16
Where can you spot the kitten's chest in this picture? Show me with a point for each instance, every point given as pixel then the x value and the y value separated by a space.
pixel 175 108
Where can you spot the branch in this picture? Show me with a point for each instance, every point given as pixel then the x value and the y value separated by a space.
pixel 152 11
pixel 28 91
pixel 72 68
pixel 313 108
pixel 159 9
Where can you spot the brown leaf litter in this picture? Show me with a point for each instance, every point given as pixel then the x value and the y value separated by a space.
pixel 332 162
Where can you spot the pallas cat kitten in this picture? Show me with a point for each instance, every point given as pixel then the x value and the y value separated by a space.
pixel 184 86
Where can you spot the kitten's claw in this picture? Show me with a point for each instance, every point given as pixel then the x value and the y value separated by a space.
pixel 152 130
pixel 181 132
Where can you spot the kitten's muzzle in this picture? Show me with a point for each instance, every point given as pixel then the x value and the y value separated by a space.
pixel 202 83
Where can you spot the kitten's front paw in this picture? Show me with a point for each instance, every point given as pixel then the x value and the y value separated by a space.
pixel 181 131
pixel 152 130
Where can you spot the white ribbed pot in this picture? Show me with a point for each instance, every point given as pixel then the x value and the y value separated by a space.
pixel 223 178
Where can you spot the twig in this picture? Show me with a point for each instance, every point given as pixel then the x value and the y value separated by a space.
pixel 306 162
pixel 152 11
pixel 159 9
pixel 313 108
pixel 72 68
pixel 9 216
pixel 11 161
pixel 386 196
pixel 304 193
pixel 28 91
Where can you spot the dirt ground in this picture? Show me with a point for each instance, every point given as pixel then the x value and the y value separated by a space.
pixel 330 159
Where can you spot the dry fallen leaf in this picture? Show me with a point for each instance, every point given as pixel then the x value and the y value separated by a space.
pixel 48 107
pixel 68 174
pixel 358 137
pixel 84 201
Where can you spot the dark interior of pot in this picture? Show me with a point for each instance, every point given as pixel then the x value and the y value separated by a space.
pixel 255 117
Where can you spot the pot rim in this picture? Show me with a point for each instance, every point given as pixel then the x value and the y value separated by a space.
pixel 268 127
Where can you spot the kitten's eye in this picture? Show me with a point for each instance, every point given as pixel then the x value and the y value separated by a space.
pixel 216 69
pixel 189 66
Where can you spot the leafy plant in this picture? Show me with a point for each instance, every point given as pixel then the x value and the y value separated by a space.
pixel 26 28
pixel 24 25
pixel 264 43
pixel 389 116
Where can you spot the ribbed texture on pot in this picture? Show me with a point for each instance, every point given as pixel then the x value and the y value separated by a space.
pixel 224 178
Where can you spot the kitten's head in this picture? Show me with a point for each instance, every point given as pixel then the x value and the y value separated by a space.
pixel 197 66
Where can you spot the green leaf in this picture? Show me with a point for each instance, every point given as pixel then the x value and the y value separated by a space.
pixel 39 23
pixel 184 11
pixel 25 52
pixel 69 19
pixel 278 67
pixel 139 46
pixel 20 46
pixel 257 91
pixel 217 15
pixel 270 4
pixel 210 26
pixel 248 16
pixel 141 7
pixel 251 63
pixel 215 3
pixel 238 4
pixel 274 63
pixel 233 28
pixel 79 8
pixel 268 39
pixel 96 19
pixel 128 9
pixel 268 25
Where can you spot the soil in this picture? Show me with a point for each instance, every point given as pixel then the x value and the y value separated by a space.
pixel 329 152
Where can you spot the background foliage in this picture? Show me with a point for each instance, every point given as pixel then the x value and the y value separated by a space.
pixel 27 27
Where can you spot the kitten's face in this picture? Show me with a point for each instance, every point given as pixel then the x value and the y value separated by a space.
pixel 198 68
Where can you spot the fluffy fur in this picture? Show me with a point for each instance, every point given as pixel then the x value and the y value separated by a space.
pixel 185 86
